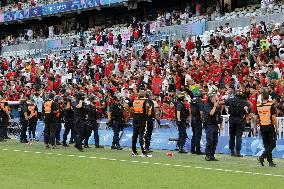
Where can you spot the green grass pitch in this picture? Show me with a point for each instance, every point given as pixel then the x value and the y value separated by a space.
pixel 25 166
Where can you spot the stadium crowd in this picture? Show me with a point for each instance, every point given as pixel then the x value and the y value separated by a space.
pixel 250 64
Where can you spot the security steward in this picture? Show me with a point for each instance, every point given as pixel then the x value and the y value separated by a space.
pixel 115 116
pixel 68 117
pixel 149 111
pixel 92 121
pixel 212 118
pixel 196 113
pixel 50 120
pixel 80 120
pixel 238 109
pixel 181 118
pixel 6 118
pixel 266 114
pixel 139 123
pixel 24 120
pixel 32 114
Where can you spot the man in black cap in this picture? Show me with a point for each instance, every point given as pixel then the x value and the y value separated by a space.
pixel 24 120
pixel 196 111
pixel 115 116
pixel 92 122
pixel 149 111
pixel 79 120
pixel 68 120
pixel 238 108
pixel 181 117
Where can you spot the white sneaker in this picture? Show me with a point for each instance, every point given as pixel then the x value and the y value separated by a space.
pixel 145 155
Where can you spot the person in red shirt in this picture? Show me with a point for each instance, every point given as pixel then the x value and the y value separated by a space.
pixel 110 38
pixel 189 45
pixel 156 84
pixel 253 100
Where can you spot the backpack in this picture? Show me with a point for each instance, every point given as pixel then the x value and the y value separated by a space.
pixel 236 108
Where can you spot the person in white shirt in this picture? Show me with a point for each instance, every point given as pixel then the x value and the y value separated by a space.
pixel 39 104
pixel 50 31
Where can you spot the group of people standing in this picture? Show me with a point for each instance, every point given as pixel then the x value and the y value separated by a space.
pixel 79 115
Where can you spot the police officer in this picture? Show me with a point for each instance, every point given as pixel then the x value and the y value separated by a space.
pixel 2 138
pixel 149 111
pixel 181 117
pixel 79 120
pixel 50 120
pixel 115 115
pixel 6 118
pixel 68 116
pixel 238 108
pixel 24 120
pixel 196 112
pixel 139 123
pixel 32 114
pixel 212 115
pixel 266 114
pixel 59 116
pixel 92 121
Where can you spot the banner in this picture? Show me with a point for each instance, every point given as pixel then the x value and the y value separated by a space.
pixel 16 15
pixel 56 8
pixel 84 4
pixel 53 44
pixel 35 12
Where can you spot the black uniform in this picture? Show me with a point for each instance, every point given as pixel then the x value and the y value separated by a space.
pixel 149 112
pixel 80 126
pixel 50 124
pixel 1 125
pixel 59 122
pixel 237 121
pixel 93 125
pixel 68 116
pixel 196 107
pixel 139 123
pixel 32 121
pixel 5 122
pixel 181 124
pixel 117 121
pixel 24 123
pixel 211 129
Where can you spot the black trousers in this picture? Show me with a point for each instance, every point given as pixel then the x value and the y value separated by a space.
pixel 1 132
pixel 116 127
pixel 5 130
pixel 24 128
pixel 211 139
pixel 79 128
pixel 32 128
pixel 149 130
pixel 139 130
pixel 181 133
pixel 58 130
pixel 236 131
pixel 69 126
pixel 94 126
pixel 268 135
pixel 49 133
pixel 196 125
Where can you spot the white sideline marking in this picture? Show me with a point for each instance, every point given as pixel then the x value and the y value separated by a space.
pixel 156 163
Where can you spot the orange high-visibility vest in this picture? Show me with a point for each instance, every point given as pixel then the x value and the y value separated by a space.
pixel 138 105
pixel 264 114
